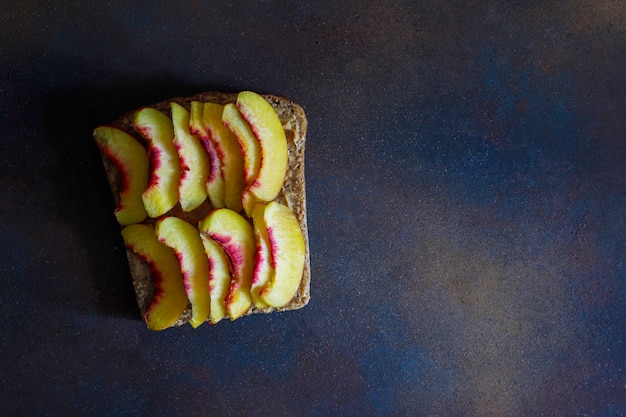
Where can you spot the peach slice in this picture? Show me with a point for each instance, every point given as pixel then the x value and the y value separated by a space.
pixel 219 278
pixel 162 192
pixel 194 161
pixel 229 154
pixel 270 134
pixel 215 181
pixel 170 298
pixel 288 256
pixel 263 270
pixel 185 240
pixel 248 143
pixel 235 235
pixel 131 160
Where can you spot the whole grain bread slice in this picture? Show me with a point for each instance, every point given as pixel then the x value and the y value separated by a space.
pixel 293 193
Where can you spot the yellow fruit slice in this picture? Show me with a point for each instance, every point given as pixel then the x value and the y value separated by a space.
pixel 263 270
pixel 287 252
pixel 220 277
pixel 194 161
pixel 268 129
pixel 248 143
pixel 215 181
pixel 229 153
pixel 162 192
pixel 236 237
pixel 185 240
pixel 131 160
pixel 170 298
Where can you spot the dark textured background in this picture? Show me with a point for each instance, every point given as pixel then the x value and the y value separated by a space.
pixel 466 180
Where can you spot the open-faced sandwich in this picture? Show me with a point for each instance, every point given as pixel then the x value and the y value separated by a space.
pixel 209 192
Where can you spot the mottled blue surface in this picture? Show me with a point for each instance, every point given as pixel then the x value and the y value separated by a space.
pixel 466 181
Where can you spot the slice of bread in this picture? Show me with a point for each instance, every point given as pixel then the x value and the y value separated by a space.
pixel 292 195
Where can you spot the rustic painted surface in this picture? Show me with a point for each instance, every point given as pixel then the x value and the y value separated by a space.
pixel 466 178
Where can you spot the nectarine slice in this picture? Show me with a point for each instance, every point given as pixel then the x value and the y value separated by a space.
pixel 194 161
pixel 287 253
pixel 170 298
pixel 185 240
pixel 229 153
pixel 215 181
pixel 235 235
pixel 131 161
pixel 162 192
pixel 268 129
pixel 219 278
pixel 248 143
pixel 263 270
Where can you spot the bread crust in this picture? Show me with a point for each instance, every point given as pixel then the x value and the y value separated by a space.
pixel 293 193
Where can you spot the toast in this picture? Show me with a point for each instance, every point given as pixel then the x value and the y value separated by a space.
pixel 292 194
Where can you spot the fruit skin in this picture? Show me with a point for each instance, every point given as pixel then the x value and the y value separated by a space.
pixel 158 130
pixel 249 201
pixel 268 129
pixel 215 181
pixel 194 161
pixel 131 161
pixel 235 235
pixel 287 254
pixel 248 143
pixel 185 240
pixel 229 153
pixel 263 270
pixel 220 277
pixel 170 298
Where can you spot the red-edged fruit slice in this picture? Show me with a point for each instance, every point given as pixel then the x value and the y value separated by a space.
pixel 194 161
pixel 220 277
pixel 248 143
pixel 131 161
pixel 162 192
pixel 170 298
pixel 229 153
pixel 263 270
pixel 288 256
pixel 215 181
pixel 268 129
pixel 235 235
pixel 185 240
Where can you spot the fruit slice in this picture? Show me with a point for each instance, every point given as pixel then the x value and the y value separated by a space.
pixel 248 143
pixel 263 270
pixel 194 161
pixel 185 240
pixel 215 181
pixel 268 129
pixel 235 235
pixel 162 192
pixel 229 153
pixel 131 160
pixel 287 247
pixel 219 278
pixel 170 299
